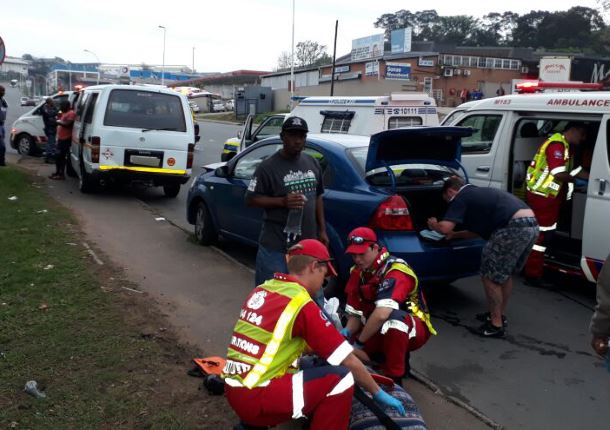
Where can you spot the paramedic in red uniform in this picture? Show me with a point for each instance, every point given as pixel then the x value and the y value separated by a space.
pixel 277 322
pixel 387 311
pixel 550 181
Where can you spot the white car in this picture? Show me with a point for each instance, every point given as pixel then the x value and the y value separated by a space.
pixel 218 106
pixel 194 107
pixel 27 134
pixel 230 104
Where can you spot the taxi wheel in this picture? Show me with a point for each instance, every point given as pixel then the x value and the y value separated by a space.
pixel 171 190
pixel 25 144
pixel 204 229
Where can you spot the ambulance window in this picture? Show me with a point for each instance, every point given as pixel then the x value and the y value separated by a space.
pixel 336 121
pixel 246 165
pixel 404 121
pixel 81 104
pixel 485 128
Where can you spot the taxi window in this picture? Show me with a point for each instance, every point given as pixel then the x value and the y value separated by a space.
pixel 485 128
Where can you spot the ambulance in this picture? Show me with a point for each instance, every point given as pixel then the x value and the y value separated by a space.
pixel 508 132
pixel 345 115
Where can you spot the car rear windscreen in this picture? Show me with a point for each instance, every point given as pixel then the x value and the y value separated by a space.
pixel 147 110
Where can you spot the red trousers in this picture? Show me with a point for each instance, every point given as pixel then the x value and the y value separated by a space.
pixel 397 343
pixel 546 210
pixel 324 394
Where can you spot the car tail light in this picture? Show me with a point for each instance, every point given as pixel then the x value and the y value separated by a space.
pixel 96 142
pixel 392 214
pixel 190 156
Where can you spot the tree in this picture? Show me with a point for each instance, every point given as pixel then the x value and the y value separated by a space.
pixel 283 62
pixel 309 53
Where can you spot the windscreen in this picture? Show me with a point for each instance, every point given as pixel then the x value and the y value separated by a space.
pixel 146 110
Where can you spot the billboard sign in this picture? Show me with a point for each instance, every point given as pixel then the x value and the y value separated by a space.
pixel 554 69
pixel 367 47
pixel 401 40
pixel 341 69
pixel 371 68
pixel 397 71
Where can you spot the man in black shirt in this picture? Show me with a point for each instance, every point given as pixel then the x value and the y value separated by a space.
pixel 288 186
pixel 3 109
pixel 49 117
pixel 510 228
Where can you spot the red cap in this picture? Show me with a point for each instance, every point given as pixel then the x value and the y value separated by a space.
pixel 316 249
pixel 359 240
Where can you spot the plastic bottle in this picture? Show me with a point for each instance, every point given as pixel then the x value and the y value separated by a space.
pixel 31 387
pixel 293 224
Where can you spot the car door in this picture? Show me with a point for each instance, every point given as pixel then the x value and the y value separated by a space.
pixel 235 219
pixel 596 234
pixel 480 149
pixel 271 126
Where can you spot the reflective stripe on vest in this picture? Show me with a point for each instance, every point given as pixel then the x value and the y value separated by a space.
pixel 413 302
pixel 539 179
pixel 280 349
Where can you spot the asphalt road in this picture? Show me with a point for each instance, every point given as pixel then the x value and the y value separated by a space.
pixel 543 375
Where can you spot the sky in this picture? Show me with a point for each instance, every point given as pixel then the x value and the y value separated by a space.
pixel 226 35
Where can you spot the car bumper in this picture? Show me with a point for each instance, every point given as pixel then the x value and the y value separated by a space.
pixel 436 261
pixel 120 174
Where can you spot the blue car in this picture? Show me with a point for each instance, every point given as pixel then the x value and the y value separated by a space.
pixel 390 182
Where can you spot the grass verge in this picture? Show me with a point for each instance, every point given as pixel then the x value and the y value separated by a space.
pixel 99 352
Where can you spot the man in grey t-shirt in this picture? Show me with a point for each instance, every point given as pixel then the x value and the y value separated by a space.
pixel 288 186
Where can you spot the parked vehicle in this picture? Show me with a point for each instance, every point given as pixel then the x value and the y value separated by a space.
pixel 26 101
pixel 508 132
pixel 230 104
pixel 218 106
pixel 124 133
pixel 391 182
pixel 194 107
pixel 346 115
pixel 14 82
pixel 27 133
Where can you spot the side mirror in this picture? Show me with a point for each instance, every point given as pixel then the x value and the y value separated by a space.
pixel 222 171
pixel 37 112
pixel 197 139
pixel 239 133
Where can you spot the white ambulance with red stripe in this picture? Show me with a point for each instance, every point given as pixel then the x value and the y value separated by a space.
pixel 509 130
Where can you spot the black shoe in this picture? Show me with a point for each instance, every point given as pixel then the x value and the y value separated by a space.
pixel 486 317
pixel 490 330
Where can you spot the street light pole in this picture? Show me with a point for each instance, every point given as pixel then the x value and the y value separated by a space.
pixel 98 64
pixel 163 66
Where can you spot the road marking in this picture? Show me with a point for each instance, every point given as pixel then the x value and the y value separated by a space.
pixel 95 257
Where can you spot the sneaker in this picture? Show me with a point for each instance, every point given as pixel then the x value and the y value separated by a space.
pixel 490 330
pixel 486 317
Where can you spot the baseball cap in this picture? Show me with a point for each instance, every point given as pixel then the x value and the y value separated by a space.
pixel 316 249
pixel 359 240
pixel 295 123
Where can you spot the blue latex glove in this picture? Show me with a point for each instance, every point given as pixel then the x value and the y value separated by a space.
pixel 345 332
pixel 580 183
pixel 387 400
pixel 358 345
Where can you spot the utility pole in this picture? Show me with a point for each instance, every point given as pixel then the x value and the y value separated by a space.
pixel 163 66
pixel 193 59
pixel 332 73
pixel 292 61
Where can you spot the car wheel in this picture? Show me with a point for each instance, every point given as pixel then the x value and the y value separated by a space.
pixel 86 184
pixel 26 145
pixel 171 190
pixel 204 229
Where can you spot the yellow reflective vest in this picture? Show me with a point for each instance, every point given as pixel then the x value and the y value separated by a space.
pixel 539 179
pixel 262 346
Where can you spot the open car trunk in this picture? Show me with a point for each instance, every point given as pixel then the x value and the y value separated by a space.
pixel 414 162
